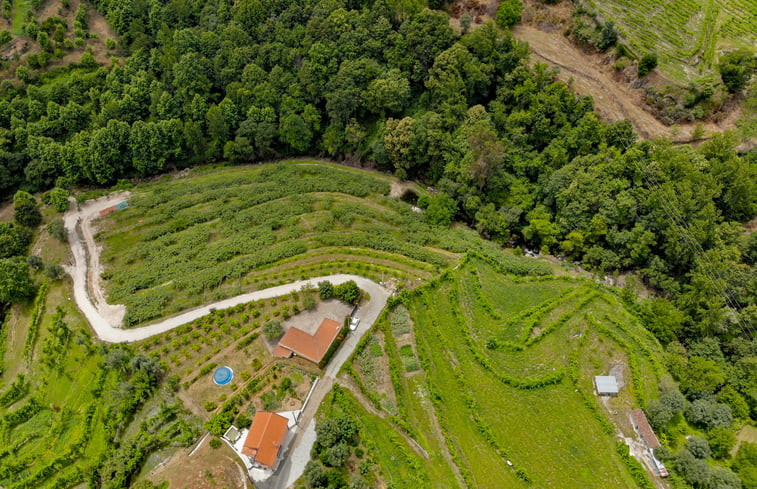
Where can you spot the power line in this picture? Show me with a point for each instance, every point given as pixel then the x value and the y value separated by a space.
pixel 707 267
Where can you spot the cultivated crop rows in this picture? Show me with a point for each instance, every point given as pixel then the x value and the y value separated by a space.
pixel 684 33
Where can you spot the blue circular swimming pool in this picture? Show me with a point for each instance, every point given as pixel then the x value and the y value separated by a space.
pixel 223 375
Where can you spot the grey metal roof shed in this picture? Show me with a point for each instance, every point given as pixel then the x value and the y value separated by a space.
pixel 606 385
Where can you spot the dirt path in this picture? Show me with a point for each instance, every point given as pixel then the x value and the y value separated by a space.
pixel 86 268
pixel 349 384
pixel 612 99
pixel 106 319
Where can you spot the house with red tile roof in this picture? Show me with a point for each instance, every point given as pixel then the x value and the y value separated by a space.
pixel 312 347
pixel 644 429
pixel 265 438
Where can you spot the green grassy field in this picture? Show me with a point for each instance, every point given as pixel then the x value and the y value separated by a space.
pixel 66 404
pixel 19 11
pixel 507 366
pixel 188 241
pixel 686 34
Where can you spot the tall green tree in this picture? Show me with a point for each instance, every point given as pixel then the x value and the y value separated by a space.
pixel 25 209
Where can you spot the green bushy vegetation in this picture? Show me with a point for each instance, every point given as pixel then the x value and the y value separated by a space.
pixel 506 360
pixel 193 240
pixel 491 406
pixel 63 390
pixel 513 152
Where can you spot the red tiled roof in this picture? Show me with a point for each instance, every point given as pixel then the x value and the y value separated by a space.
pixel 645 430
pixel 311 347
pixel 265 437
pixel 281 352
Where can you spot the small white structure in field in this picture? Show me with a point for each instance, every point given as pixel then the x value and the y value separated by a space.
pixel 607 385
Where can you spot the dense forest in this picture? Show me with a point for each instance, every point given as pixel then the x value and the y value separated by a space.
pixel 510 150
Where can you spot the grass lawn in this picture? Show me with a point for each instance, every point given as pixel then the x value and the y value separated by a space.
pixel 518 412
pixel 19 11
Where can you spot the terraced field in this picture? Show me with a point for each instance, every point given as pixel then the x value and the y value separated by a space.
pixel 66 404
pixel 190 241
pixel 686 34
pixel 504 365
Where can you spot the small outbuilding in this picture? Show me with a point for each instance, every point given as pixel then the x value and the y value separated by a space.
pixel 607 385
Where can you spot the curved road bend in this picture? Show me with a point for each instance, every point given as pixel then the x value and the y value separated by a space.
pixel 106 321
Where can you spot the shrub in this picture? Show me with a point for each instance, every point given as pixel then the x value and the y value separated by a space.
pixel 736 69
pixel 647 63
pixel 273 331
pixel 347 292
pixel 721 441
pixel 442 208
pixel 25 211
pixel 508 13
pixel 243 420
pixel 210 406
pixel 308 302
pixel 325 290
pixel 58 230
pixel 14 239
pixel 58 198
pixel 54 271
pixel 698 447
pixel 35 262
pixel 215 443
pixel 337 455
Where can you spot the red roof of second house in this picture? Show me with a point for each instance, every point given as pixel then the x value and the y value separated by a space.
pixel 645 430
pixel 312 347
pixel 265 437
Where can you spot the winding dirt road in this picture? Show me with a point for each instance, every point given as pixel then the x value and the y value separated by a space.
pixel 613 100
pixel 107 319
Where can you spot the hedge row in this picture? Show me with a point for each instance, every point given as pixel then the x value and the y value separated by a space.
pixel 419 477
pixel 31 336
pixel 658 368
pixel 632 363
pixel 562 319
pixel 574 372
pixel 72 454
pixel 3 336
pixel 16 391
pixel 395 373
pixel 530 383
pixel 20 415
pixel 535 314
pixel 475 284
pixel 634 467
pixel 437 401
pixel 223 418
pixel 511 265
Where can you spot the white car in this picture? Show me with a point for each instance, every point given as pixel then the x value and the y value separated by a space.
pixel 353 323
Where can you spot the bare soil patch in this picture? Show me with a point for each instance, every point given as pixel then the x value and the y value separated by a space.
pixel 747 434
pixel 6 211
pixel 308 321
pixel 617 95
pixel 207 468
